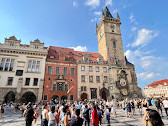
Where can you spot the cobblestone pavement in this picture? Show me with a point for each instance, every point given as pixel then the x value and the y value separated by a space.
pixel 120 120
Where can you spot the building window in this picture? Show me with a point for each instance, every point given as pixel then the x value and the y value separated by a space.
pixel 10 80
pixel 86 59
pixel 71 58
pixel 83 88
pixel 71 97
pixel 97 69
pixel 104 69
pixel 65 71
pixel 57 71
pixel 60 87
pixel 7 64
pixel 35 83
pixel 53 51
pixel 52 57
pixel 82 68
pixel 90 68
pixel 66 87
pixel 33 66
pixel 114 44
pixel 11 43
pixel 45 98
pixel 27 82
pixel 70 53
pixel 90 78
pixel 49 78
pixel 93 93
pixel 105 79
pixel 49 70
pixel 72 71
pixel 54 87
pixel 97 79
pixel 82 78
pixel 36 46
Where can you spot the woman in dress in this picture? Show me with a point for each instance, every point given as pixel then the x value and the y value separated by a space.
pixel 95 118
pixel 52 117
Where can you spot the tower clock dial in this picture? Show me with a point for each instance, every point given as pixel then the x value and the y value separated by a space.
pixel 124 91
pixel 112 27
pixel 123 82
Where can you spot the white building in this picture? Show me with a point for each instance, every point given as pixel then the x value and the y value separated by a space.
pixel 157 89
pixel 22 69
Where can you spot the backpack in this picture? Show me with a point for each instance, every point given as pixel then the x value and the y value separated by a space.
pixel 99 113
pixel 85 114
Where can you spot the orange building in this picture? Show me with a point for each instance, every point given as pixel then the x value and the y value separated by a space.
pixel 60 75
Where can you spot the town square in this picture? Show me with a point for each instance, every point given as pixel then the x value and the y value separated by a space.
pixel 83 63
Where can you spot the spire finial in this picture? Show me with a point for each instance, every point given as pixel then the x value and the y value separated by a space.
pixel 118 16
pixel 96 25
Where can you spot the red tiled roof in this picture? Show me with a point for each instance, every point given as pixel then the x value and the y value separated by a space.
pixel 76 55
pixel 159 82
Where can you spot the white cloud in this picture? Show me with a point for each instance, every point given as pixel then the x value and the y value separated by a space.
pixel 133 29
pixel 75 4
pixel 115 11
pixel 147 75
pixel 98 13
pixel 132 19
pixel 96 19
pixel 80 48
pixel 144 37
pixel 92 3
pixel 108 2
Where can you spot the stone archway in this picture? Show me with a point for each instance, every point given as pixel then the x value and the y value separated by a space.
pixel 10 97
pixel 83 96
pixel 55 99
pixel 104 93
pixel 64 98
pixel 28 97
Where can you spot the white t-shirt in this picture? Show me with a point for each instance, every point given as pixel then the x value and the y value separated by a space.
pixel 107 111
pixel 52 115
pixel 165 103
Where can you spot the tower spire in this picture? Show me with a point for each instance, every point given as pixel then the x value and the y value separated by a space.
pixel 96 25
pixel 118 17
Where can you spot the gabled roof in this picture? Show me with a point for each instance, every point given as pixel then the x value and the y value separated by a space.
pixel 76 55
pixel 160 82
pixel 106 12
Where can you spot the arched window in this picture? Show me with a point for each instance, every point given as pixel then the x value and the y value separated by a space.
pixel 114 44
pixel 66 87
pixel 60 87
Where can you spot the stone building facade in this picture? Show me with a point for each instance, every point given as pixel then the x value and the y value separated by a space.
pixel 122 76
pixel 60 75
pixel 157 89
pixel 21 70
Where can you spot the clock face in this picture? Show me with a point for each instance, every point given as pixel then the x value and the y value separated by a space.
pixel 112 27
pixel 124 91
pixel 123 82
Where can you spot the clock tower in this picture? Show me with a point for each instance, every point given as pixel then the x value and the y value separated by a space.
pixel 110 44
pixel 122 77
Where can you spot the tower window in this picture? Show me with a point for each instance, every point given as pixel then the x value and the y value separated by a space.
pixel 114 44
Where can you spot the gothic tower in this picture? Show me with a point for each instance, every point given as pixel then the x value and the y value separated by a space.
pixel 122 76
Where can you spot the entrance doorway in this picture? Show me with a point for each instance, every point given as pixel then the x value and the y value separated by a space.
pixel 55 99
pixel 10 97
pixel 64 98
pixel 28 97
pixel 104 95
pixel 83 96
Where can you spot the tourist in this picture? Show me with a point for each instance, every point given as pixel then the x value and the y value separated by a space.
pixel 129 109
pixel 95 119
pixel 58 114
pixel 52 117
pixel 114 108
pixel 132 107
pixel 1 111
pixel 153 103
pixel 152 118
pixel 22 108
pixel 149 103
pixel 159 106
pixel 36 113
pixel 29 114
pixel 77 121
pixel 139 107
pixel 45 116
pixel 107 114
pixel 144 105
pixel 165 105
pixel 99 115
pixel 86 115
pixel 64 116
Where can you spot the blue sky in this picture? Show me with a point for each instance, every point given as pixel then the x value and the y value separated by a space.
pixel 71 23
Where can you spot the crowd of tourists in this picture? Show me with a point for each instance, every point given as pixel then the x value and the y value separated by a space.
pixel 91 113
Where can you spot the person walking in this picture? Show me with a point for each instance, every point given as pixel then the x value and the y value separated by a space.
pixel 78 121
pixel 165 105
pixel 95 118
pixel 86 115
pixel 45 115
pixel 29 114
pixel 52 117
pixel 107 114
pixel 1 111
